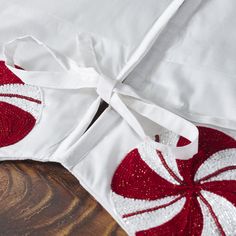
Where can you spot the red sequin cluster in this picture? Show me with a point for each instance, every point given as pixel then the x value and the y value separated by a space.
pixel 15 122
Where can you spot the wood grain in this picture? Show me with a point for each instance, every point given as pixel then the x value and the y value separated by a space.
pixel 45 199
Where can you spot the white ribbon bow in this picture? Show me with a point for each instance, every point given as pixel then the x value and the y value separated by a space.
pixel 119 96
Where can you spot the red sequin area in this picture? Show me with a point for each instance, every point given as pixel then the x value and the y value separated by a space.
pixel 15 120
pixel 6 76
pixel 135 180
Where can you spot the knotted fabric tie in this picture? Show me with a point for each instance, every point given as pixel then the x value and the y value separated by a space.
pixel 105 88
pixel 119 96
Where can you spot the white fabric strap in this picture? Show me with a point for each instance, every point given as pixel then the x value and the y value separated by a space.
pixel 105 88
pixel 72 76
pixel 119 96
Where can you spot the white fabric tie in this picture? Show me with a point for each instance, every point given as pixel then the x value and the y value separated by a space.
pixel 119 96
pixel 105 88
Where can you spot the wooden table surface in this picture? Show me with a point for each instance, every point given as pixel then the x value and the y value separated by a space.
pixel 45 199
